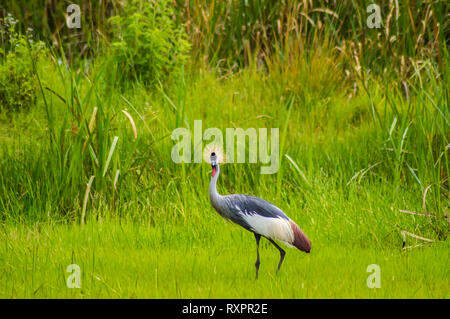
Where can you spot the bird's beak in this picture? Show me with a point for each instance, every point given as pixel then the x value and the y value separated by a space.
pixel 213 171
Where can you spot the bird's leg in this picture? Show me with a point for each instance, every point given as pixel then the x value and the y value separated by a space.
pixel 282 253
pixel 257 237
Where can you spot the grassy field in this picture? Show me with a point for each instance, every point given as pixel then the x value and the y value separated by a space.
pixel 123 259
pixel 87 178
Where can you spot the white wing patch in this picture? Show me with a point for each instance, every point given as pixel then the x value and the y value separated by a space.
pixel 275 228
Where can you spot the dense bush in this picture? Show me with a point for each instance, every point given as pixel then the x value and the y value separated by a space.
pixel 147 44
pixel 18 85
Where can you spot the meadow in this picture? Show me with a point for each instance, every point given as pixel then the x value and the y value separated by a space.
pixel 87 178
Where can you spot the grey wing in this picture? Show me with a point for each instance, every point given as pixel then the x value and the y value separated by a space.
pixel 249 205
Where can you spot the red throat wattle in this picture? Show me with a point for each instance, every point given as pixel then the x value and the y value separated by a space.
pixel 213 171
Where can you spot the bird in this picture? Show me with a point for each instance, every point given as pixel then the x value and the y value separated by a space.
pixel 258 216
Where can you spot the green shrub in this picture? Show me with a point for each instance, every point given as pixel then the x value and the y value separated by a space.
pixel 147 43
pixel 18 86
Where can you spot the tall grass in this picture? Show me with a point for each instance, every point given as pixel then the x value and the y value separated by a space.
pixel 364 130
pixel 228 32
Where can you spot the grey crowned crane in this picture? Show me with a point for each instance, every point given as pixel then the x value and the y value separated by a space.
pixel 258 216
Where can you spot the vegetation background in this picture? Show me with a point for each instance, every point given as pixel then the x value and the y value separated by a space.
pixel 86 117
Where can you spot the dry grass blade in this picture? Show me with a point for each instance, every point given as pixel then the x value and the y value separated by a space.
pixel 327 11
pixel 392 150
pixel 307 18
pixel 417 213
pixel 404 232
pixel 133 125
pixel 415 246
pixel 111 151
pixel 424 204
pixel 92 121
pixel 116 178
pixel 86 196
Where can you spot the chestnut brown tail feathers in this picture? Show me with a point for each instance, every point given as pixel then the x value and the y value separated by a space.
pixel 300 240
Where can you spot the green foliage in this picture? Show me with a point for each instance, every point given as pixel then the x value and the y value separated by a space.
pixel 86 140
pixel 48 19
pixel 18 85
pixel 126 259
pixel 147 44
pixel 364 123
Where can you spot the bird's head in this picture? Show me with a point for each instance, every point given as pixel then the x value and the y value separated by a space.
pixel 214 163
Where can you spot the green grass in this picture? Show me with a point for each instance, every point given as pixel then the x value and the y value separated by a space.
pixel 156 234
pixel 86 174
pixel 123 259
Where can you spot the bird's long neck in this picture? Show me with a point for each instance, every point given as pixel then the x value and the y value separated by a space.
pixel 214 196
